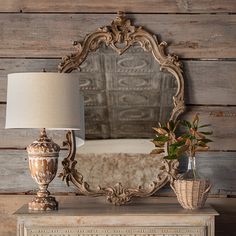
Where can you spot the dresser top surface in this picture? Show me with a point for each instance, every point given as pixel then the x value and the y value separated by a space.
pixel 92 207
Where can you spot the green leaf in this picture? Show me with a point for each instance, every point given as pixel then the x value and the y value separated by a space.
pixel 158 144
pixel 178 144
pixel 172 124
pixel 160 131
pixel 201 144
pixel 205 140
pixel 171 149
pixel 185 136
pixel 195 121
pixel 182 150
pixel 188 136
pixel 171 157
pixel 161 138
pixel 207 132
pixel 157 151
pixel 186 123
pixel 206 125
pixel 176 125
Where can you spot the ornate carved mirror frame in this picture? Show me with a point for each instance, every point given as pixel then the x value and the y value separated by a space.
pixel 120 35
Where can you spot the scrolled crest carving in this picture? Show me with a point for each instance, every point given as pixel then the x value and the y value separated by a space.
pixel 120 35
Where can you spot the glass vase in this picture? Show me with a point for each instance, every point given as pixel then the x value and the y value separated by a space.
pixel 191 173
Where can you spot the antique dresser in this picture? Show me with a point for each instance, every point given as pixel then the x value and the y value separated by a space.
pixel 90 217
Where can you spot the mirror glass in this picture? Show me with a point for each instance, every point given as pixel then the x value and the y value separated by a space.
pixel 125 96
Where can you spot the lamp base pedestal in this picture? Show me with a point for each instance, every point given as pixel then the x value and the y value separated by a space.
pixel 48 203
pixel 43 161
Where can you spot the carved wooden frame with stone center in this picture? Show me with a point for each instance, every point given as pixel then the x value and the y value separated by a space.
pixel 120 35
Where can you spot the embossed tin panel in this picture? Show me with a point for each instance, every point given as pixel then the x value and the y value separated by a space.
pixel 128 87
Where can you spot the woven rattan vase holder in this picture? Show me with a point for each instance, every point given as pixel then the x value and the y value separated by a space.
pixel 191 194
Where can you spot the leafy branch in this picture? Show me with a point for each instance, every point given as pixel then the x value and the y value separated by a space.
pixel 193 138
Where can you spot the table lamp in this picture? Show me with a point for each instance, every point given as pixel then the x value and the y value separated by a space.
pixel 43 100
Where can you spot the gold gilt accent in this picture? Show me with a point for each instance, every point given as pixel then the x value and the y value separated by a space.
pixel 120 35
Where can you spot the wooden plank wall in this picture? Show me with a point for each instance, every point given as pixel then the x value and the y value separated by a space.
pixel 36 34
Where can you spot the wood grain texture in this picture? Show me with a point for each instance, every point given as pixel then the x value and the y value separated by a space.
pixel 206 82
pixel 15 178
pixel 219 116
pixel 11 65
pixel 151 6
pixel 10 203
pixel 210 82
pixel 21 138
pixel 191 36
pixel 51 35
pixel 15 174
pixel 212 165
pixel 223 124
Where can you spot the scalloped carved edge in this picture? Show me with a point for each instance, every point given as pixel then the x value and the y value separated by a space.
pixel 120 35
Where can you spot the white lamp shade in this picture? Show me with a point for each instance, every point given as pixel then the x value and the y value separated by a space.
pixel 43 100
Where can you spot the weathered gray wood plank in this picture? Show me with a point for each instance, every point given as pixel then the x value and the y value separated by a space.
pixel 110 171
pixel 12 65
pixel 51 35
pixel 21 138
pixel 210 82
pixel 15 176
pixel 151 6
pixel 206 82
pixel 223 120
pixel 220 168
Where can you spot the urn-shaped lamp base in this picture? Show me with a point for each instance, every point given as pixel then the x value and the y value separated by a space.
pixel 43 161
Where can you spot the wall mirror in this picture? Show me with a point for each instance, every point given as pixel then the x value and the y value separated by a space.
pixel 129 85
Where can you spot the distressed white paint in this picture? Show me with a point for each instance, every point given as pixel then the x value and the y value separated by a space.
pixel 88 218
